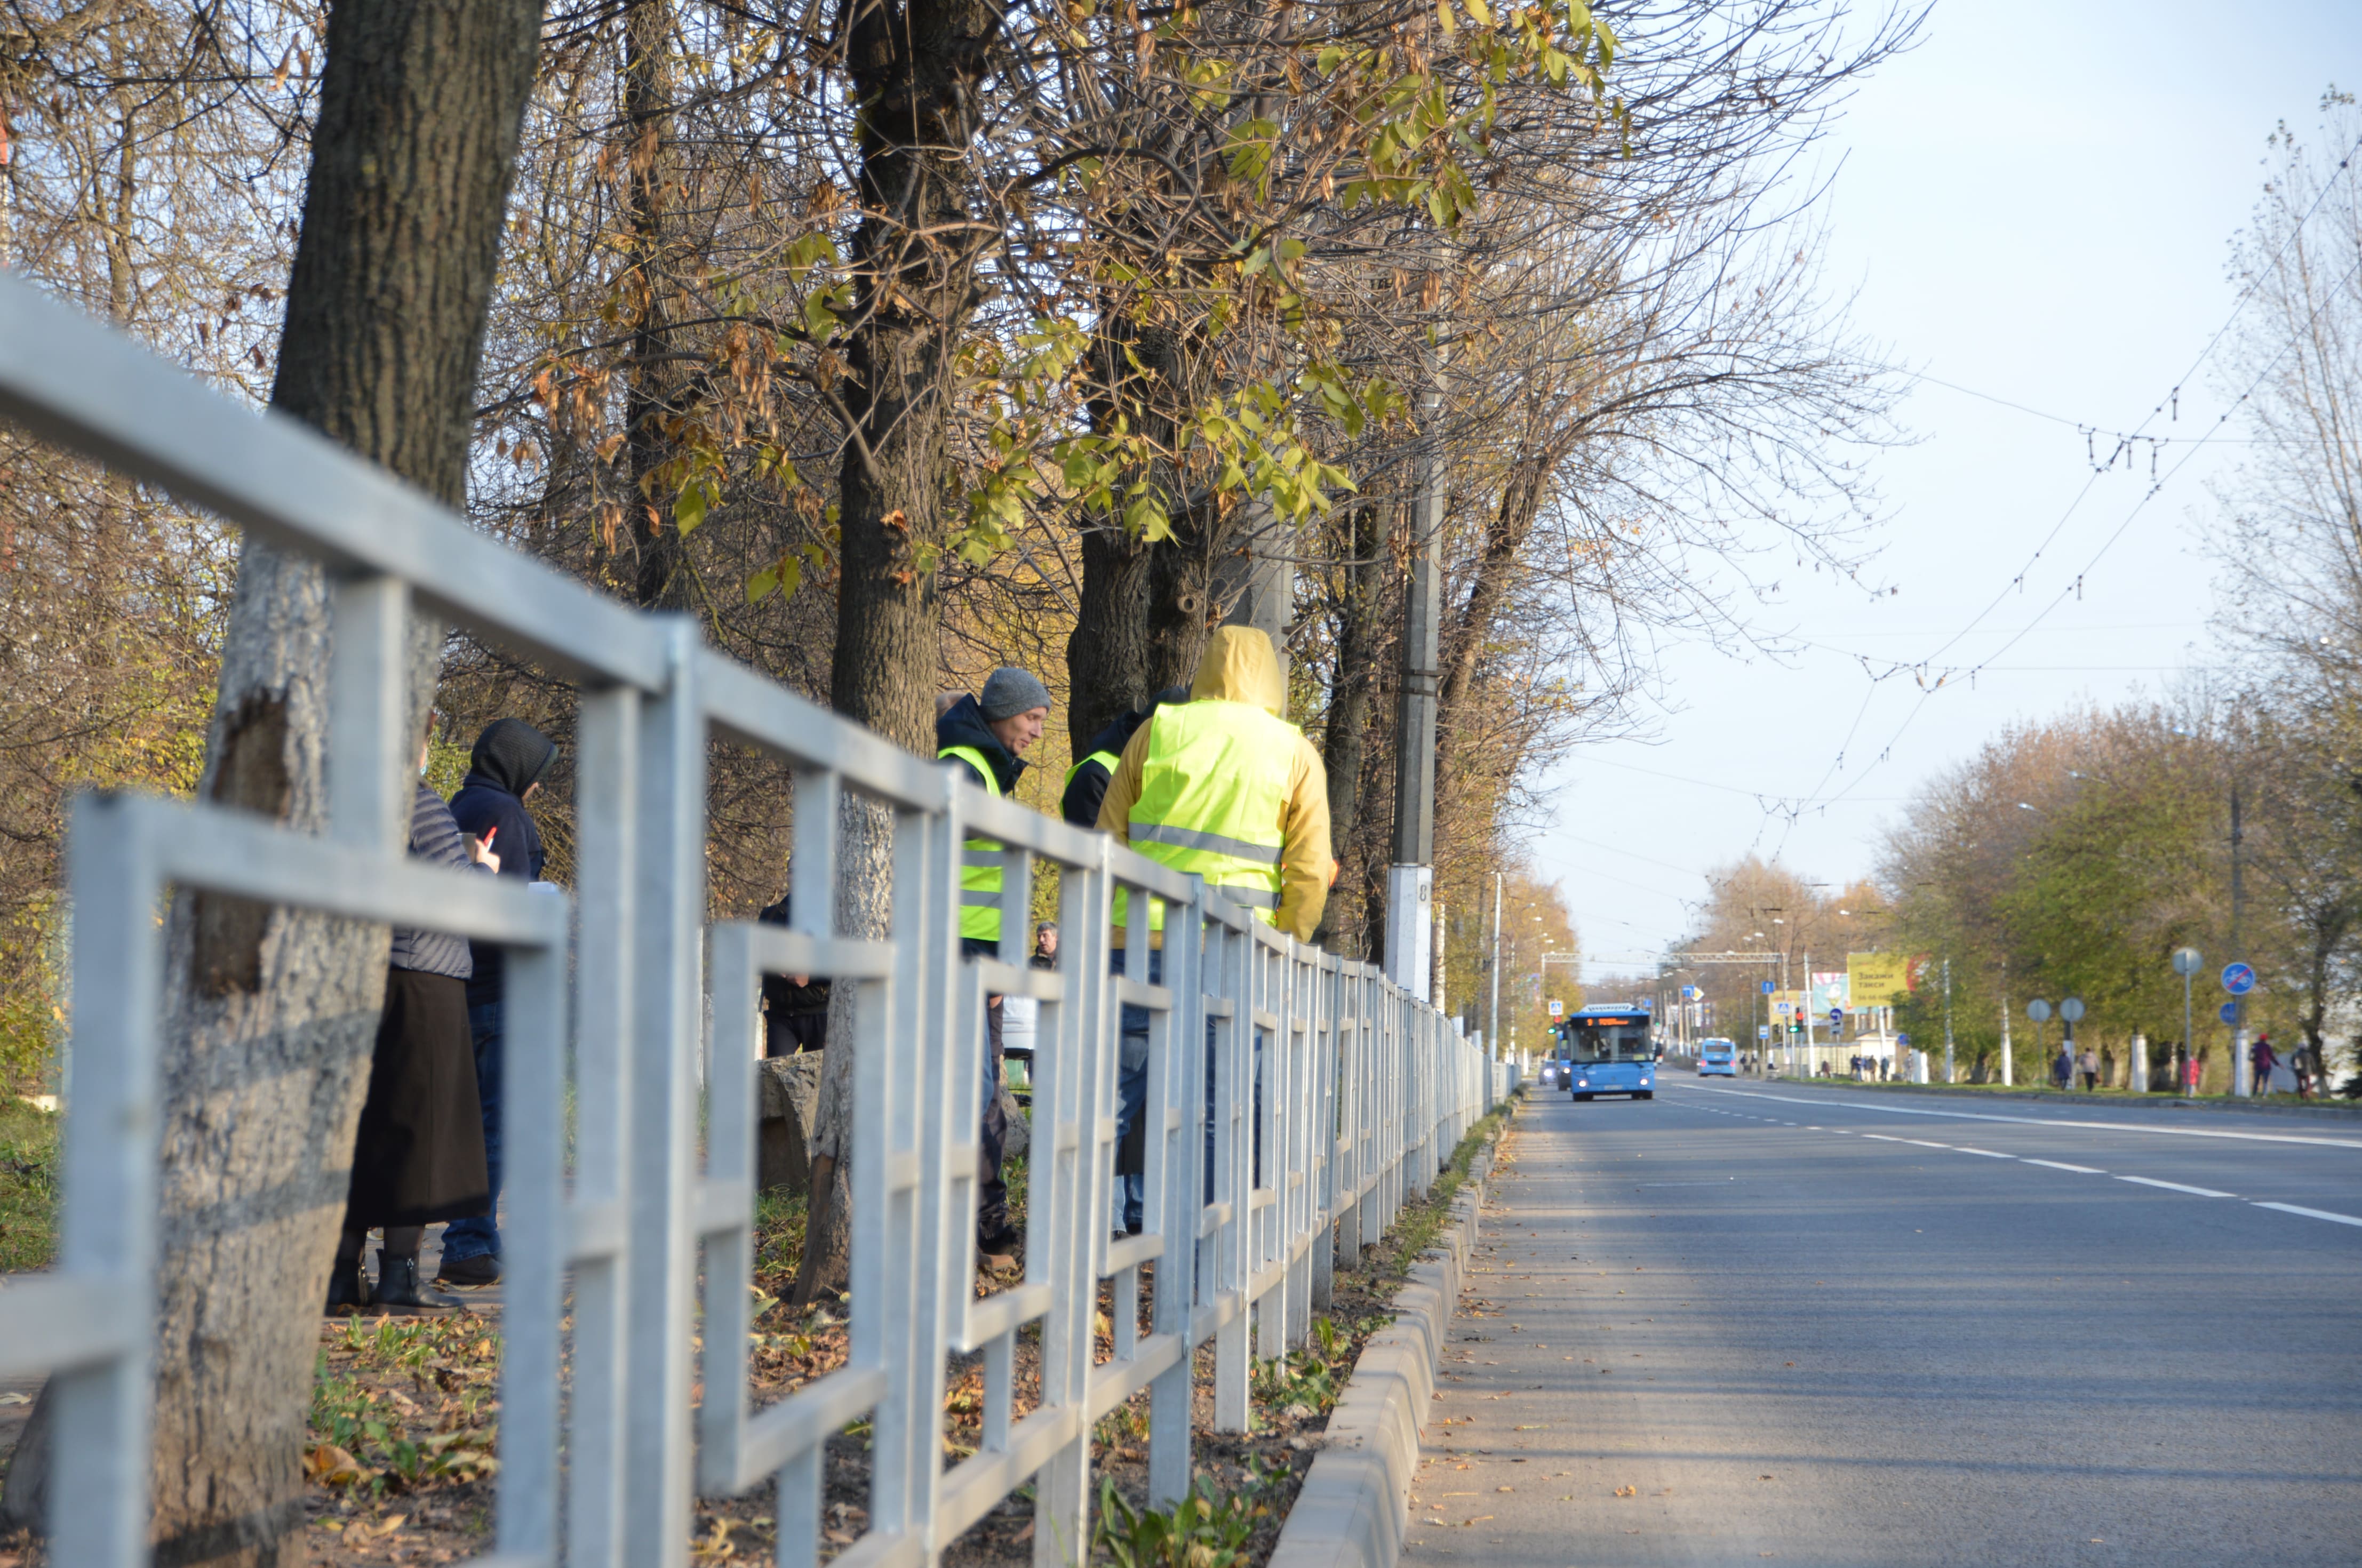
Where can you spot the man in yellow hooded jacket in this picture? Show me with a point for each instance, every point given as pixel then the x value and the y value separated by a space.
pixel 1225 787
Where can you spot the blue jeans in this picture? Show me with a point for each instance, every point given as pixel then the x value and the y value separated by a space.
pixel 476 1237
pixel 1131 1200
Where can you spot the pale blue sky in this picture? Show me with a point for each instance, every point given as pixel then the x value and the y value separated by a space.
pixel 2036 204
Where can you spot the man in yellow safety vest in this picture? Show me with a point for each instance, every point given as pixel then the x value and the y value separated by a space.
pixel 989 736
pixel 1225 787
pixel 1086 780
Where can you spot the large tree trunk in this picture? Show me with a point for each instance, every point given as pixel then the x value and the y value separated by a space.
pixel 915 68
pixel 1361 536
pixel 272 1015
pixel 1106 653
pixel 652 383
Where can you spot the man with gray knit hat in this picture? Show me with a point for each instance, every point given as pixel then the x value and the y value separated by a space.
pixel 990 736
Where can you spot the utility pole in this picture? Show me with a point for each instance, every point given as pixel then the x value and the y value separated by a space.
pixel 2242 1075
pixel 1492 1008
pixel 1947 1018
pixel 1410 881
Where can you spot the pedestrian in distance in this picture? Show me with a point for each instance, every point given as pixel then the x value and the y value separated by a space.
pixel 505 771
pixel 2261 1056
pixel 2062 1068
pixel 1222 786
pixel 418 1152
pixel 794 1007
pixel 2088 1064
pixel 1021 1017
pixel 989 735
pixel 2193 1071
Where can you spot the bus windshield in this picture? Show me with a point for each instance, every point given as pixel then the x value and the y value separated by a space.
pixel 1610 1040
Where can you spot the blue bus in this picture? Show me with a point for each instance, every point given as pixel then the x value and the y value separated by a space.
pixel 1718 1057
pixel 1608 1049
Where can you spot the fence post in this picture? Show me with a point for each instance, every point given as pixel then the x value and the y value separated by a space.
pixel 660 1259
pixel 1176 1197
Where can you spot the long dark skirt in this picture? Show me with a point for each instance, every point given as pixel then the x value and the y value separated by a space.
pixel 420 1154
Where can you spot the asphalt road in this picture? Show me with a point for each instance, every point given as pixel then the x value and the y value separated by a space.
pixel 1745 1321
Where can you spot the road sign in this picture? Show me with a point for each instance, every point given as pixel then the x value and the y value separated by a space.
pixel 1767 988
pixel 2230 1013
pixel 1558 1008
pixel 2238 978
pixel 1836 1018
pixel 1689 993
pixel 1647 1004
pixel 1903 1041
pixel 2071 1010
pixel 1762 1031
pixel 2187 961
pixel 2038 1011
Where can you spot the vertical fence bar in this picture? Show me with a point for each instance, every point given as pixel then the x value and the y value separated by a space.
pixel 98 1488
pixel 606 817
pixel 660 1265
pixel 534 1066
pixel 1176 1196
pixel 369 795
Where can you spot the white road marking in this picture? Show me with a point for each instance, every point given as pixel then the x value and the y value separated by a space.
pixel 1988 1154
pixel 2063 1166
pixel 1885 1139
pixel 2178 1186
pixel 2055 1120
pixel 1925 1145
pixel 2309 1213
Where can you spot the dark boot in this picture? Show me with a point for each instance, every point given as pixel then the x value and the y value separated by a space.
pixel 347 1292
pixel 399 1290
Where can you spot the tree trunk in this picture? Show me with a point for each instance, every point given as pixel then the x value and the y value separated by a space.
pixel 1107 653
pixel 1497 570
pixel 652 383
pixel 1344 745
pixel 915 68
pixel 272 1015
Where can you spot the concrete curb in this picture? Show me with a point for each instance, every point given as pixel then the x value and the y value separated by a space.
pixel 1354 1509
pixel 1978 1095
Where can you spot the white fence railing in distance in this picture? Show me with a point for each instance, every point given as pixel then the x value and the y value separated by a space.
pixel 1332 1095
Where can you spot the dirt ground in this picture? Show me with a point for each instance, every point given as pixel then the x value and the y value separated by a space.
pixel 400 1466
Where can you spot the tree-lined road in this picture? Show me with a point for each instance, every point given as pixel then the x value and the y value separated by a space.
pixel 1846 1327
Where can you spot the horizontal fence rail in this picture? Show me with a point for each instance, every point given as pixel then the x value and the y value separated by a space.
pixel 1294 1100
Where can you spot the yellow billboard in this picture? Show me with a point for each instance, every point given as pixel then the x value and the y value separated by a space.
pixel 1878 979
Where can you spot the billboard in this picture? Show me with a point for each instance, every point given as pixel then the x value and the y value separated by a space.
pixel 1830 993
pixel 1883 980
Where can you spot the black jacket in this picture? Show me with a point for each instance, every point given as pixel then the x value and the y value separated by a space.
pixel 434 838
pixel 1089 786
pixel 962 724
pixel 510 757
pixel 795 1018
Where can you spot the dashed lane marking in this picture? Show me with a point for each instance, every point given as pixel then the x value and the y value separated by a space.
pixel 2309 1213
pixel 2178 1186
pixel 2063 1166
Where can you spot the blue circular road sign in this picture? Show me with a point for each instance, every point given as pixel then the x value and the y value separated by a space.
pixel 2238 978
pixel 2230 1013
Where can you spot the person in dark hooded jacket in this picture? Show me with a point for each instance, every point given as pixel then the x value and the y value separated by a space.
pixel 507 765
pixel 1086 780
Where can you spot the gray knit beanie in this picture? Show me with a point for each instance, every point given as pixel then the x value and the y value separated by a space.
pixel 1010 690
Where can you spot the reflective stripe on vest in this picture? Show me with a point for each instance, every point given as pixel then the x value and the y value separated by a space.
pixel 980 864
pixel 1212 791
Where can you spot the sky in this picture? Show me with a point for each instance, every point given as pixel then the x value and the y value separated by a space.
pixel 2035 206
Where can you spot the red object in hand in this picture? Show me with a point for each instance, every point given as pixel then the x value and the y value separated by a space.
pixel 490 834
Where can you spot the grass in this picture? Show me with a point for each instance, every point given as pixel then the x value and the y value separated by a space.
pixel 399 1404
pixel 28 1187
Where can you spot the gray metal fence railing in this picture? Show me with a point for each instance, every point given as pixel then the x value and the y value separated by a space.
pixel 1334 1096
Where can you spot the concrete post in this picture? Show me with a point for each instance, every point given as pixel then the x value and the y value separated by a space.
pixel 2137 1079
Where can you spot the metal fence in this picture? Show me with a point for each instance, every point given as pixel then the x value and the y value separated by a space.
pixel 1363 1090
